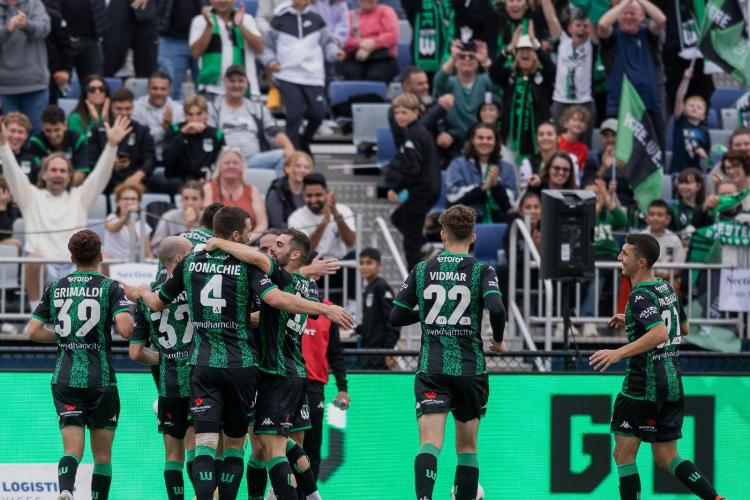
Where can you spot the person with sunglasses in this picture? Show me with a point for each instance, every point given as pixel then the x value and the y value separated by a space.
pixel 93 105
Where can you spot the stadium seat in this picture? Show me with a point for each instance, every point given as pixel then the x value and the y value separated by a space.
pixel 98 210
pixel 719 137
pixel 147 198
pixel 395 89
pixel 339 92
pixel 489 244
pixel 442 202
pixel 97 226
pixel 713 119
pixel 19 228
pixel 8 273
pixel 403 56
pixel 404 31
pixel 726 97
pixel 386 145
pixel 261 178
pixel 365 120
pixel 670 132
pixel 113 83
pixel 67 104
pixel 251 7
pixel 729 119
pixel 75 88
pixel 138 86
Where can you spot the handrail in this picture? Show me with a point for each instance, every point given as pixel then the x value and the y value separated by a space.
pixel 527 336
pixel 380 224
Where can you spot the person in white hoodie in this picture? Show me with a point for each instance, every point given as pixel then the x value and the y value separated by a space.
pixel 54 210
pixel 297 45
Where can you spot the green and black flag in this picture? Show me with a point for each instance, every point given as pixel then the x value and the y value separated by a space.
pixel 724 40
pixel 636 146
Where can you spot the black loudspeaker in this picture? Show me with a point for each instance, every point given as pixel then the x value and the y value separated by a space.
pixel 568 220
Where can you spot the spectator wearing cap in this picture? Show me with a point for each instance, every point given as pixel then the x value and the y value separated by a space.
pixel 157 110
pixel 609 169
pixel 490 112
pixel 372 45
pixel 248 125
pixel 631 48
pixel 18 130
pixel 220 37
pixel 133 26
pixel 86 22
pixel 24 76
pixel 527 91
pixel 175 17
pixel 605 157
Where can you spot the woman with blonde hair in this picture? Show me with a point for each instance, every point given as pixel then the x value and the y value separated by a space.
pixel 229 188
pixel 285 193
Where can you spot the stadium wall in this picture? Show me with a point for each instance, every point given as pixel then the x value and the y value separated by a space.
pixel 545 437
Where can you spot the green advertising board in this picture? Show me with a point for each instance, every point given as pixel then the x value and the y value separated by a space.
pixel 544 437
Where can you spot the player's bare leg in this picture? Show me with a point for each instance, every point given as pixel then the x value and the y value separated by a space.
pixel 431 431
pixel 101 448
pixel 74 439
pixel 257 477
pixel 626 449
pixel 667 459
pixel 282 480
pixel 466 480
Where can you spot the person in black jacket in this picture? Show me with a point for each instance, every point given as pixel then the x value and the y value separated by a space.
pixel 174 18
pixel 86 22
pixel 375 330
pixel 135 155
pixel 190 149
pixel 60 52
pixel 55 137
pixel 133 25
pixel 413 177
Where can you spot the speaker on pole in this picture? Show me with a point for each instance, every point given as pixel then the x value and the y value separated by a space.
pixel 568 220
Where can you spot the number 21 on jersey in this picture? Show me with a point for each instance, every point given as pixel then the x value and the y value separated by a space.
pixel 668 318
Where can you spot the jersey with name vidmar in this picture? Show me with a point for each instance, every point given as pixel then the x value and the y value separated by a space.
pixel 654 375
pixel 221 291
pixel 82 306
pixel 449 290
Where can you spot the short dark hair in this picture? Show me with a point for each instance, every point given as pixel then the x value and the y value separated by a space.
pixel 471 152
pixel 737 132
pixel 53 114
pixel 207 216
pixel 122 95
pixel 409 72
pixel 194 185
pixel 160 75
pixel 315 179
pixel 458 222
pixel 737 157
pixel 228 220
pixel 660 204
pixel 370 253
pixel 271 232
pixel 646 246
pixel 299 242
pixel 85 247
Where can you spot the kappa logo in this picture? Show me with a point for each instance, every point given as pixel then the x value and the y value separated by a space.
pixel 637 298
pixel 320 405
pixel 267 421
pixel 625 425
pixel 69 407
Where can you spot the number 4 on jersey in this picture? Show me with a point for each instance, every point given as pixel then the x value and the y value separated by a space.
pixel 211 294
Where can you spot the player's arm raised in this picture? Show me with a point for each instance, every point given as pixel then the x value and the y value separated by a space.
pixel 37 332
pixel 297 305
pixel 241 252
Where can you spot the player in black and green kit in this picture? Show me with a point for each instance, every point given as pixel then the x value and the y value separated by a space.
pixel 281 405
pixel 221 292
pixel 650 406
pixel 171 332
pixel 450 292
pixel 82 307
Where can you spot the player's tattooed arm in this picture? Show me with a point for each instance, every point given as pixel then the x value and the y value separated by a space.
pixel 241 252
pixel 39 333
pixel 140 354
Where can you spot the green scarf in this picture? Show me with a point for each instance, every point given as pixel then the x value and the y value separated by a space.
pixel 522 118
pixel 706 242
pixel 728 201
pixel 210 73
pixel 490 205
pixel 505 36
pixel 433 33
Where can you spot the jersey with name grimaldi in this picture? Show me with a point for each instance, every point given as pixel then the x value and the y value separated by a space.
pixel 654 375
pixel 171 331
pixel 220 292
pixel 81 306
pixel 449 290
pixel 280 332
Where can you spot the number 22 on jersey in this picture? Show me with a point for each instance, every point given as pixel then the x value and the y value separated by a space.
pixel 461 293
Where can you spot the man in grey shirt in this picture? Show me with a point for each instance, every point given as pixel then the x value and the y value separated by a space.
pixel 157 110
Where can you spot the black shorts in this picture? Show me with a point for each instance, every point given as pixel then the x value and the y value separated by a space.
pixel 223 399
pixel 282 405
pixel 94 407
pixel 650 421
pixel 315 402
pixel 465 396
pixel 174 416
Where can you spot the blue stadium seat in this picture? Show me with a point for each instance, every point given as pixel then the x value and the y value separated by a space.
pixel 489 242
pixel 404 56
pixel 113 83
pixel 386 145
pixel 75 88
pixel 713 119
pixel 67 104
pixel 442 202
pixel 725 97
pixel 340 91
pixel 251 7
pixel 670 133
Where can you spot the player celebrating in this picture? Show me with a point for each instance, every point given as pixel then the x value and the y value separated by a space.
pixel 82 306
pixel 172 332
pixel 221 292
pixel 449 291
pixel 650 406
pixel 281 405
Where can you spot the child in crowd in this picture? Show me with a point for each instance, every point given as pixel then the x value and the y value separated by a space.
pixel 490 111
pixel 119 231
pixel 691 142
pixel 55 137
pixel 375 331
pixel 180 220
pixel 658 219
pixel 690 196
pixel 574 123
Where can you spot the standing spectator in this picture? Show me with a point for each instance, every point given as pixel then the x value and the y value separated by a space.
pixel 546 142
pixel 375 330
pixel 297 46
pixel 174 57
pixel 87 24
pixel 132 25
pixel 263 16
pixel 229 188
pixel 468 88
pixel 691 142
pixel 59 53
pixel 479 178
pixel 631 48
pixel 135 156
pixel 574 123
pixel 413 177
pixel 190 148
pixel 433 32
pixel 335 14
pixel 180 220
pixel 285 193
pixel 157 110
pixel 55 137
pixel 511 16
pixel 17 130
pixel 93 106
pixel 212 33
pixel 24 76
pixel 55 210
pixel 122 232
pixel 330 225
pixel 247 125
pixel 527 92
pixel 372 45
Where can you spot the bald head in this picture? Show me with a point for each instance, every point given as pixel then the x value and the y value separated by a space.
pixel 171 251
